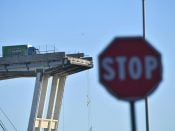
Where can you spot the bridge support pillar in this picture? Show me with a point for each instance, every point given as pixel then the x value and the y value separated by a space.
pixel 37 120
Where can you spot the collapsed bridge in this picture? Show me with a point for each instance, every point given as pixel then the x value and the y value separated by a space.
pixel 57 65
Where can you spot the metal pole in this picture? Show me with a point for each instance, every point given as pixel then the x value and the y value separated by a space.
pixel 146 99
pixel 147 114
pixel 143 17
pixel 133 118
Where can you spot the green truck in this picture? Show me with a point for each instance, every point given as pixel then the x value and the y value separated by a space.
pixel 18 50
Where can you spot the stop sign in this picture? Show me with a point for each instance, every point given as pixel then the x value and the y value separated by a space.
pixel 130 68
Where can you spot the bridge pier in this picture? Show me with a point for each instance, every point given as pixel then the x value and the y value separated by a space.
pixel 37 120
pixel 57 65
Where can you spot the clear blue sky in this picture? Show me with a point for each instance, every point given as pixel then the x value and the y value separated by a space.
pixel 88 26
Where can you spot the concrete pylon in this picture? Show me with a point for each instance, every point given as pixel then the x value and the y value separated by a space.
pixel 37 120
pixel 36 96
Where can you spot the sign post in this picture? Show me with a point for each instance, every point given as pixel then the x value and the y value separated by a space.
pixel 133 116
pixel 146 99
pixel 130 69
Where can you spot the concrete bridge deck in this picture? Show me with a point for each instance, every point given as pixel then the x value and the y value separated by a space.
pixel 50 63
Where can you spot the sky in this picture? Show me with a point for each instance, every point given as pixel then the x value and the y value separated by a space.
pixel 88 26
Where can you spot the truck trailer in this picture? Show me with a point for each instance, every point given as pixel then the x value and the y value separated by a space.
pixel 18 50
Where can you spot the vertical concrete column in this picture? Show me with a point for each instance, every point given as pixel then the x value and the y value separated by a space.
pixel 59 97
pixel 52 100
pixel 42 98
pixel 35 102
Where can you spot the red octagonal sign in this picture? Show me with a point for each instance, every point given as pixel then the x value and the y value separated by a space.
pixel 130 68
